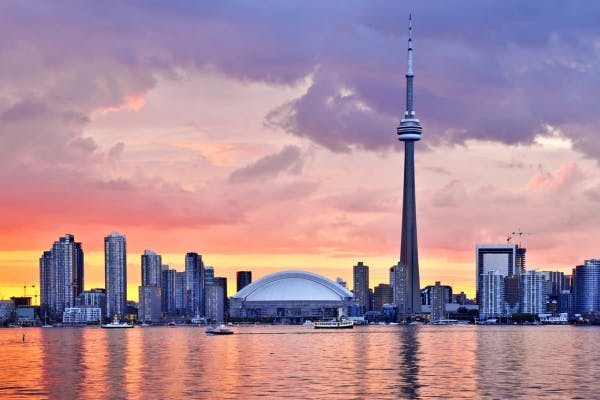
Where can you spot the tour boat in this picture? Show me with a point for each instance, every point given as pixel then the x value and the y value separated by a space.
pixel 342 324
pixel 116 324
pixel 220 330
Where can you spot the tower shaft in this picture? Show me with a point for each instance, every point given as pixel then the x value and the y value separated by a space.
pixel 409 251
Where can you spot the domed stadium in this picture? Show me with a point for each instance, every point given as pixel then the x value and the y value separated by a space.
pixel 292 296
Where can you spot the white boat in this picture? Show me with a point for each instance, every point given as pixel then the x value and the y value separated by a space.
pixel 342 324
pixel 220 330
pixel 116 324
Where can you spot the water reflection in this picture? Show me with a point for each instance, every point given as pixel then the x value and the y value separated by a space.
pixel 298 362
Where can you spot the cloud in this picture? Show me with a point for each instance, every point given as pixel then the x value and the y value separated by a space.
pixel 289 160
pixel 567 175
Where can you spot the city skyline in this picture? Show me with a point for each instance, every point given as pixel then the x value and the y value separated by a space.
pixel 171 144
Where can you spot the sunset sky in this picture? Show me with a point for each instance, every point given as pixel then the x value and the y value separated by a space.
pixel 261 134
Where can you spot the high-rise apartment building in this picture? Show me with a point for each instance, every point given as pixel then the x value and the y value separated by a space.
pixel 151 268
pixel 195 282
pixel 244 278
pixel 167 290
pixel 94 298
pixel 440 296
pixel 61 275
pixel 180 291
pixel 214 306
pixel 506 259
pixel 383 294
pixel 512 294
pixel 115 274
pixel 586 288
pixel 533 292
pixel 492 294
pixel 361 286
pixel 222 281
pixel 209 275
pixel 555 281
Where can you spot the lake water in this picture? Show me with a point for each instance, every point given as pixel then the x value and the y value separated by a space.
pixel 373 362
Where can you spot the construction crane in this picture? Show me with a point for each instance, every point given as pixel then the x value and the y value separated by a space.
pixel 519 233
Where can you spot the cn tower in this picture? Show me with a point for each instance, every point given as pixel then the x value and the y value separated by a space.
pixel 409 131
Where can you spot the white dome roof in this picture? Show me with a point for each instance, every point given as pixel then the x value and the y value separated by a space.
pixel 294 286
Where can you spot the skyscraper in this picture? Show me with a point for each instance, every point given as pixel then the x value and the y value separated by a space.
pixel 194 281
pixel 151 267
pixel 222 281
pixel 507 259
pixel 533 296
pixel 115 274
pixel 409 132
pixel 61 275
pixel 586 288
pixel 180 293
pixel 167 290
pixel 492 294
pixel 244 278
pixel 361 286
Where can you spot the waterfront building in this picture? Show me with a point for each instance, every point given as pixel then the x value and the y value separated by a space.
pixel 222 281
pixel 167 290
pixel 7 308
pixel 427 294
pixel 533 296
pixel 554 283
pixel 214 303
pixel 383 294
pixel 149 309
pixel 586 288
pixel 512 294
pixel 151 268
pixel 61 275
pixel 361 286
pixel 398 284
pixel 115 274
pixel 180 292
pixel 492 294
pixel 440 296
pixel 507 259
pixel 82 315
pixel 195 282
pixel 291 296
pixel 409 131
pixel 244 278
pixel 46 284
pixel 92 298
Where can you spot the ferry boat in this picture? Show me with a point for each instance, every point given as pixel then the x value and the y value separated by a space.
pixel 220 330
pixel 342 324
pixel 116 324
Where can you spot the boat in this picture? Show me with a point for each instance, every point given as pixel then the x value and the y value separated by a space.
pixel 116 324
pixel 342 324
pixel 445 322
pixel 219 330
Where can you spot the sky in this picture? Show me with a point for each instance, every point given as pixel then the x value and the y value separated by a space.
pixel 262 134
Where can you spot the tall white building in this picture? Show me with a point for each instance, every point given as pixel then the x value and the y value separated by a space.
pixel 492 294
pixel 507 259
pixel 115 274
pixel 533 292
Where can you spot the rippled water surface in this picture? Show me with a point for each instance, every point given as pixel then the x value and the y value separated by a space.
pixel 373 362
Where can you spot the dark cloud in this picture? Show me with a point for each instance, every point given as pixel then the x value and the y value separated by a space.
pixel 289 160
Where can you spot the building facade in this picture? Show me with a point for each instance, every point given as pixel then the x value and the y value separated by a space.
pixel 214 304
pixel 507 259
pixel 115 274
pixel 149 309
pixel 586 288
pixel 383 294
pixel 533 293
pixel 167 290
pixel 195 282
pixel 361 292
pixel 492 295
pixel 61 275
pixel 243 278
